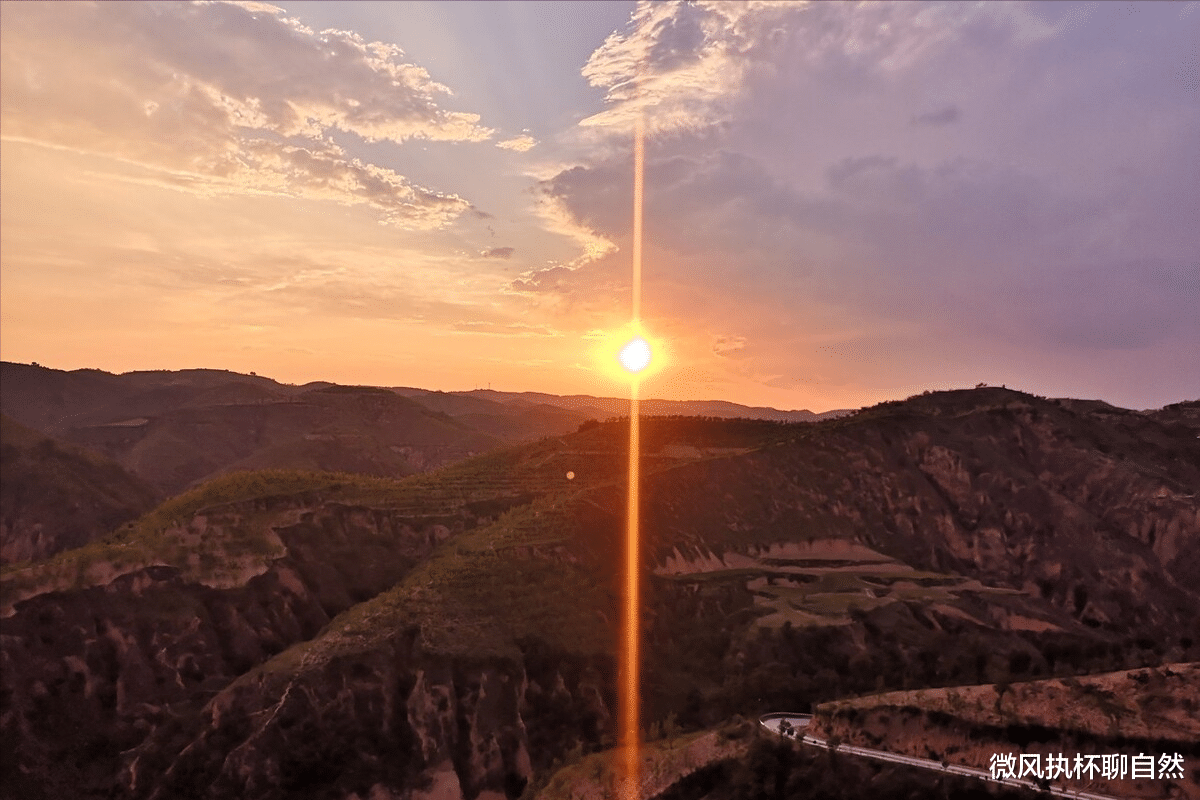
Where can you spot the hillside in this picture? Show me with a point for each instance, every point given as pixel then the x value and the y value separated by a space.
pixel 452 633
pixel 54 496
pixel 1129 712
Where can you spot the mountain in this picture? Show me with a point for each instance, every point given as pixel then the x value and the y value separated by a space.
pixel 54 496
pixel 453 633
pixel 520 416
pixel 602 407
pixel 54 401
pixel 513 421
pixel 337 428
pixel 174 429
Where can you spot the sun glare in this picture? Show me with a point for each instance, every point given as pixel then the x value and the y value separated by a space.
pixel 629 352
pixel 635 355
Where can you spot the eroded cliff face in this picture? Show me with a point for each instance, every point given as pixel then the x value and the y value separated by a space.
pixel 89 672
pixel 393 721
pixel 178 681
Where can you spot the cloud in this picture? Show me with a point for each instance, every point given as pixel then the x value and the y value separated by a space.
pixel 561 278
pixel 548 279
pixel 222 97
pixel 521 144
pixel 786 165
pixel 727 346
pixel 942 116
pixel 675 60
pixel 1122 305
pixel 517 329
pixel 499 252
pixel 686 65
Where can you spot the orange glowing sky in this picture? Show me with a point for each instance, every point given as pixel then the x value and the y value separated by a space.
pixel 843 204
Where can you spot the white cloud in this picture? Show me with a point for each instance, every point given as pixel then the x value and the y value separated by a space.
pixel 521 144
pixel 685 64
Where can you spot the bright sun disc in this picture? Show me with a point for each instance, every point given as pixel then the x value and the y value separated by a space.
pixel 635 356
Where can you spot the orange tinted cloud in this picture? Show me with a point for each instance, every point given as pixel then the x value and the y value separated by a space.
pixel 220 98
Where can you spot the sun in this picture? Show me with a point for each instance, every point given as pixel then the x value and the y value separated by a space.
pixel 635 355
pixel 628 353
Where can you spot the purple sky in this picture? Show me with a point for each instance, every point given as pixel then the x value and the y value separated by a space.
pixel 845 203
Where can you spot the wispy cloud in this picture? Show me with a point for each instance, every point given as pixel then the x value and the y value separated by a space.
pixel 505 329
pixel 556 217
pixel 855 197
pixel 224 97
pixel 727 346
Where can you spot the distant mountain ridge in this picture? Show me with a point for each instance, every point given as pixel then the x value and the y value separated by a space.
pixel 167 430
pixel 174 428
pixel 617 406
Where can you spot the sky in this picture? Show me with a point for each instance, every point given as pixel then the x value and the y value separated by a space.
pixel 844 203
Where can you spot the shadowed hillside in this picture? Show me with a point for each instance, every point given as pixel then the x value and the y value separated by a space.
pixel 173 429
pixel 54 496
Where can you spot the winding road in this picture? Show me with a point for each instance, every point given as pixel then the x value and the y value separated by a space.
pixel 792 726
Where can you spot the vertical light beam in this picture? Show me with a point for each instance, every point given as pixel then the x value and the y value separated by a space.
pixel 630 727
pixel 630 712
pixel 639 164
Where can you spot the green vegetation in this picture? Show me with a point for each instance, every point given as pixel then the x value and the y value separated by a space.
pixel 212 553
pixel 231 488
pixel 478 488
pixel 504 564
pixel 478 594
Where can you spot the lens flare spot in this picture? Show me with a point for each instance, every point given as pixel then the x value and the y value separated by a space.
pixel 635 356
